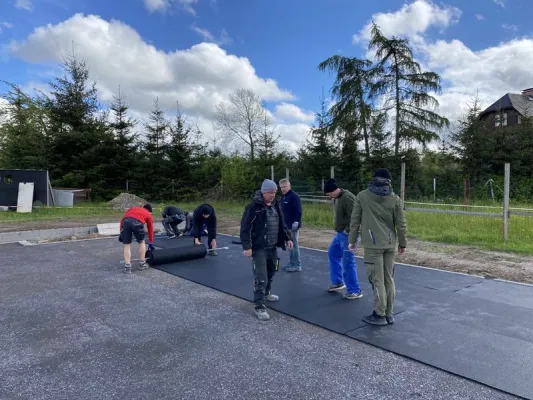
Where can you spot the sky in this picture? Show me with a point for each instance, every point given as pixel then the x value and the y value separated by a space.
pixel 198 51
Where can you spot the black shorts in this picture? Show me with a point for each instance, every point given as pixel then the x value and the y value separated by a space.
pixel 132 227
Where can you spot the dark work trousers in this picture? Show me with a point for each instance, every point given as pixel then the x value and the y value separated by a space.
pixel 265 263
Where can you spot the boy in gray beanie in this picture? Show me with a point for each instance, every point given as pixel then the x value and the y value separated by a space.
pixel 262 232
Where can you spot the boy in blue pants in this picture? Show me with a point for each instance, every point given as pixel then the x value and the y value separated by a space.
pixel 343 271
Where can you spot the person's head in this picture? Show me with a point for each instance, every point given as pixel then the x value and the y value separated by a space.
pixel 284 185
pixel 383 174
pixel 331 189
pixel 206 211
pixel 148 207
pixel 269 189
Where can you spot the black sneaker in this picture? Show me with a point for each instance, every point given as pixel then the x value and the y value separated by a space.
pixel 390 320
pixel 127 269
pixel 375 319
pixel 336 287
pixel 143 265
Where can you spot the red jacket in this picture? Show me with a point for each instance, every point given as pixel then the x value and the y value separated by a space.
pixel 143 215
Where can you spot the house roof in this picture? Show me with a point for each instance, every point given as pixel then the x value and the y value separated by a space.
pixel 522 103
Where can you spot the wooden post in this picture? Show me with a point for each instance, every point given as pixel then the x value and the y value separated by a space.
pixel 506 201
pixel 434 190
pixel 465 192
pixel 272 172
pixel 402 185
pixel 332 172
pixel 287 173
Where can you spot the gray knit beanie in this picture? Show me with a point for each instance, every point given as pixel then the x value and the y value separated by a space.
pixel 268 186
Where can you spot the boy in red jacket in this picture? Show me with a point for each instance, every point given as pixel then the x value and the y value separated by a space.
pixel 132 224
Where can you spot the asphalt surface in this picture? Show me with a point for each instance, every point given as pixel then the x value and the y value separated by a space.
pixel 72 326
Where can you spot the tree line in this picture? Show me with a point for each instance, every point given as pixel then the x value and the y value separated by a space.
pixel 384 113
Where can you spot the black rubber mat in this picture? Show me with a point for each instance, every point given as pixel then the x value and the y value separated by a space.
pixel 479 329
pixel 164 242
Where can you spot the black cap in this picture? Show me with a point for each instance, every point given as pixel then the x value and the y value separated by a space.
pixel 330 186
pixel 382 173
pixel 148 207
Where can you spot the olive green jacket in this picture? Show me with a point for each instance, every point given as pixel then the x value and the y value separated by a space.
pixel 379 220
pixel 343 210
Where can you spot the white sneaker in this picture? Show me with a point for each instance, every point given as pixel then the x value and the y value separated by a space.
pixel 272 297
pixel 262 314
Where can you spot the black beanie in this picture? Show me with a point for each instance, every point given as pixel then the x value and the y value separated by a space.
pixel 148 207
pixel 206 209
pixel 382 173
pixel 330 186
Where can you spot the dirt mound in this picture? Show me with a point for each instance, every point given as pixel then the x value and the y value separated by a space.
pixel 126 200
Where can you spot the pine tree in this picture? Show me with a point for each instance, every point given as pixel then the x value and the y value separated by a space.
pixel 125 140
pixel 405 88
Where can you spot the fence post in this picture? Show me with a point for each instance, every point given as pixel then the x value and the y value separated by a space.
pixel 332 172
pixel 506 202
pixel 434 190
pixel 402 185
pixel 287 173
pixel 272 172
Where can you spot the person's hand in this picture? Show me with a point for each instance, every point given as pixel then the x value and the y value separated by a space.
pixel 295 226
pixel 247 253
pixel 352 247
pixel 213 244
pixel 197 241
pixel 401 250
pixel 289 244
pixel 151 246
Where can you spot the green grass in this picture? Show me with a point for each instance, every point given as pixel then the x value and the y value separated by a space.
pixel 485 232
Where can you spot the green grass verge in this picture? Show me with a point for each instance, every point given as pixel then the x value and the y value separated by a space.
pixel 485 232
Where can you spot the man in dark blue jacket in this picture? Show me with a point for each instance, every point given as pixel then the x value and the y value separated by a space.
pixel 263 230
pixel 204 220
pixel 292 211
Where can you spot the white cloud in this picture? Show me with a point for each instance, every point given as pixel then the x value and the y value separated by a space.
pixel 480 17
pixel 291 112
pixel 5 25
pixel 488 73
pixel 412 20
pixel 510 27
pixel 199 77
pixel 164 5
pixel 24 5
pixel 224 38
pixel 500 3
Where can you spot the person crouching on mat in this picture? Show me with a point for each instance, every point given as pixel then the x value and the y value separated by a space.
pixel 132 224
pixel 172 217
pixel 204 221
pixel 263 230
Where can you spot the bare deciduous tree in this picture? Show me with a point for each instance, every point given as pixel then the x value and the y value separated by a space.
pixel 242 119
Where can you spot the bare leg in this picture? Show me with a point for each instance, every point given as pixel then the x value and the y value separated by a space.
pixel 127 254
pixel 142 252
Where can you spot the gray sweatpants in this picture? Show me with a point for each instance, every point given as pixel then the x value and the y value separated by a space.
pixel 265 263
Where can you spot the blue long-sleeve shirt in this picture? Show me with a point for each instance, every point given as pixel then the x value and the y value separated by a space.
pixel 292 209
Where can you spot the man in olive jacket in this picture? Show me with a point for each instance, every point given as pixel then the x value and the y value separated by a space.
pixel 378 216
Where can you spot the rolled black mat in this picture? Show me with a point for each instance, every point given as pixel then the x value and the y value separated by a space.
pixel 176 254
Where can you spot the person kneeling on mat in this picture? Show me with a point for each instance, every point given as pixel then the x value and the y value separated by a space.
pixel 132 224
pixel 172 217
pixel 204 221
pixel 262 231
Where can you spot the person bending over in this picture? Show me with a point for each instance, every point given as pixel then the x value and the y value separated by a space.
pixel 204 222
pixel 132 224
pixel 379 219
pixel 345 275
pixel 172 217
pixel 263 229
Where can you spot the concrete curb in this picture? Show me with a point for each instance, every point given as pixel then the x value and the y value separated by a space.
pixel 57 233
pixel 15 237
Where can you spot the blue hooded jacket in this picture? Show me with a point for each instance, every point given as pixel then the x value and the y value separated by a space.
pixel 292 209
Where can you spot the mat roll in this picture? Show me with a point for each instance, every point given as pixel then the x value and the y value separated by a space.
pixel 176 254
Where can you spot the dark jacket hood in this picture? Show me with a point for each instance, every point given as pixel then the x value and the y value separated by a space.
pixel 380 186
